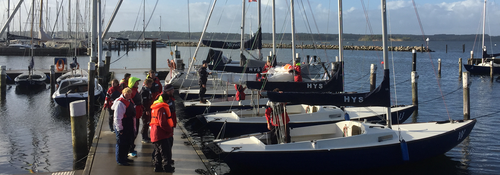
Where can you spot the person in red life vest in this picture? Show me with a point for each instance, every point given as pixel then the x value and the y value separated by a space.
pixel 162 124
pixel 124 81
pixel 298 76
pixel 157 87
pixel 124 113
pixel 147 100
pixel 240 92
pixel 277 118
pixel 133 83
pixel 265 70
pixel 111 95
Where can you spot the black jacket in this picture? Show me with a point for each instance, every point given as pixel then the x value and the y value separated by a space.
pixel 146 98
pixel 202 72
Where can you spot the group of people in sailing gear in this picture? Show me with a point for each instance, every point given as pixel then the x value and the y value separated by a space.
pixel 155 105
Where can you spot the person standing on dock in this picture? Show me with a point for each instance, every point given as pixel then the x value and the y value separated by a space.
pixel 124 112
pixel 111 95
pixel 157 87
pixel 146 115
pixel 133 83
pixel 169 90
pixel 124 81
pixel 162 124
pixel 203 74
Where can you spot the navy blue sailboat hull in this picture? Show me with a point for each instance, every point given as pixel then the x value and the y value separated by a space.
pixel 326 160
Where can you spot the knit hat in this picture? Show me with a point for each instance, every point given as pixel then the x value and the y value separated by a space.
pixel 167 88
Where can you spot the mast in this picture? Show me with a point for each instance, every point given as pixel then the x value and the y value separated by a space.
pixel 8 16
pixel 93 34
pixel 100 57
pixel 260 25
pixel 144 21
pixel 242 29
pixel 112 19
pixel 12 17
pixel 77 8
pixel 386 62
pixel 483 47
pixel 341 46
pixel 69 19
pixel 274 30
pixel 32 22
pixel 201 37
pixel 293 32
pixel 160 28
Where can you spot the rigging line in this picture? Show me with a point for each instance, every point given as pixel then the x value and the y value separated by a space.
pixel 488 115
pixel 364 76
pixel 117 59
pixel 395 98
pixel 189 30
pixel 430 58
pixel 137 18
pixel 309 26
pixel 444 95
pixel 367 18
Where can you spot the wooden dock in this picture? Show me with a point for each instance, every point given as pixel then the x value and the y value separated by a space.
pixel 101 157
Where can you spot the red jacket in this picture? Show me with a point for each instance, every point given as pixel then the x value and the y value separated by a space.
pixel 112 94
pixel 269 118
pixel 240 92
pixel 161 122
pixel 298 76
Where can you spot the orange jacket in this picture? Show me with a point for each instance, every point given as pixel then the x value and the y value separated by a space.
pixel 161 121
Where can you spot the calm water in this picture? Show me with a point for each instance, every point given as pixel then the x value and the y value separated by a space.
pixel 35 132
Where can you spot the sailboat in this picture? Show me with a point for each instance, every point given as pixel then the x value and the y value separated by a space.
pixel 31 78
pixel 484 67
pixel 344 145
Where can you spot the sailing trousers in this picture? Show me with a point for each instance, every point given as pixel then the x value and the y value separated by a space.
pixel 163 152
pixel 122 145
pixel 202 92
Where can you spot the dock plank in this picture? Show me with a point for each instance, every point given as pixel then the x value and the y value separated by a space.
pixel 103 155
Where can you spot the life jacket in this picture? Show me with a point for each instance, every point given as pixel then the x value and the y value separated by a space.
pixel 157 105
pixel 127 121
pixel 298 76
pixel 240 92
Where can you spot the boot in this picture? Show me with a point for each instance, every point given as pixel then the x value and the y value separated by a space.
pixel 158 168
pixel 169 168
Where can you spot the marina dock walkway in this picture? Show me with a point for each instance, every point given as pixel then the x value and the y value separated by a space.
pixel 101 158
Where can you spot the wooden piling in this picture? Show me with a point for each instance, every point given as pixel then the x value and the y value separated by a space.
pixel 469 61
pixel 463 48
pixel 465 82
pixel 127 48
pixel 178 61
pixel 78 130
pixel 459 68
pixel 373 76
pixel 414 90
pixel 153 56
pixel 446 48
pixel 107 62
pixel 439 67
pixel 491 71
pixel 91 101
pixel 3 81
pixel 414 60
pixel 52 80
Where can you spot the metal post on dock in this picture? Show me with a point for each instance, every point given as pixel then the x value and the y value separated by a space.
pixel 3 81
pixel 439 67
pixel 91 101
pixel 465 82
pixel 78 131
pixel 178 61
pixel 52 79
pixel 373 76
pixel 459 68
pixel 153 56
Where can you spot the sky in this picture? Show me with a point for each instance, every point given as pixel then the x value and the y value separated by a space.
pixel 311 16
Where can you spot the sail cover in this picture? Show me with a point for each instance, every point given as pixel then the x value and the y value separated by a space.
pixel 254 43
